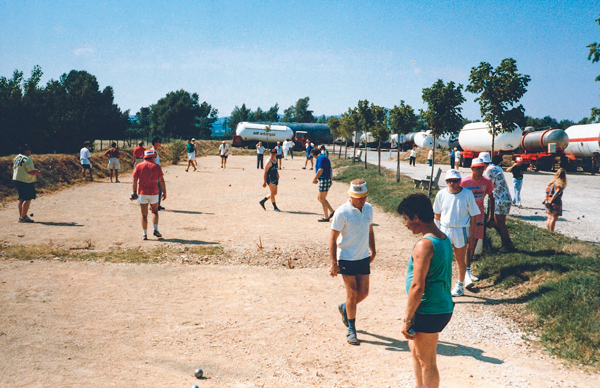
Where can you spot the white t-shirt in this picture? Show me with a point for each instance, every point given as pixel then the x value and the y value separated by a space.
pixel 457 209
pixel 456 155
pixel 224 149
pixel 157 160
pixel 84 156
pixel 286 145
pixel 260 150
pixel 430 154
pixel 353 241
pixel 413 153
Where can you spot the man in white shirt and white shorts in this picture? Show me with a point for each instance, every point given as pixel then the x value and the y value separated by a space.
pixel 455 213
pixel 84 158
pixel 352 250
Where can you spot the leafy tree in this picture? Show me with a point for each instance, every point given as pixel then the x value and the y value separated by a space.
pixel 272 115
pixel 594 56
pixel 499 90
pixel 239 115
pixel 334 127
pixel 322 120
pixel 443 111
pixel 349 128
pixel 299 113
pixel 401 120
pixel 380 130
pixel 179 115
pixel 257 115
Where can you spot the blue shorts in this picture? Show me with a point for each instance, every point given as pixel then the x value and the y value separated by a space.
pixel 430 323
pixel 355 267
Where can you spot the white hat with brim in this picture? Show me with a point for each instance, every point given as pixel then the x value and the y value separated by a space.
pixel 477 162
pixel 453 174
pixel 149 154
pixel 358 191
pixel 485 157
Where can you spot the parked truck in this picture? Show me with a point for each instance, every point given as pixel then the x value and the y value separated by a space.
pixel 542 149
pixel 583 149
pixel 476 137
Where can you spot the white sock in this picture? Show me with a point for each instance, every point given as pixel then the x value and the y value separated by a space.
pixel 156 227
pixel 145 232
pixel 469 271
pixel 459 283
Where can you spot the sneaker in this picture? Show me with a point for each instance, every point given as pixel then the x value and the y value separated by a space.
pixel 117 181
pixel 161 208
pixel 144 237
pixel 276 209
pixel 468 282
pixel 472 277
pixel 262 203
pixel 157 234
pixel 458 291
pixel 27 219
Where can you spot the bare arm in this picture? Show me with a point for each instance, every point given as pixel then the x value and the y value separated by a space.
pixel 163 187
pixel 317 175
pixel 135 182
pixel 372 250
pixel 334 269
pixel 422 254
pixel 472 229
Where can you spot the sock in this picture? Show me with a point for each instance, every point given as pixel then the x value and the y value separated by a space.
pixel 145 232
pixel 469 271
pixel 459 283
pixel 274 205
pixel 264 200
pixel 156 227
pixel 351 324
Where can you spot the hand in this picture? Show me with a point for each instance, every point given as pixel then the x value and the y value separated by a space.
pixel 164 195
pixel 265 184
pixel 371 257
pixel 405 330
pixel 334 270
pixel 315 181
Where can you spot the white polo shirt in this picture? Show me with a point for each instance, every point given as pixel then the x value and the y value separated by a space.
pixel 455 210
pixel 353 241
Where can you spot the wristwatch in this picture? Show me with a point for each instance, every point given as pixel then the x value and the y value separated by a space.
pixel 406 320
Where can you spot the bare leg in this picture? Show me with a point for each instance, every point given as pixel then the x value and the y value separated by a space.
pixel 272 192
pixel 423 349
pixel 459 255
pixel 23 208
pixel 116 175
pixel 327 209
pixel 500 226
pixel 144 208
pixel 111 174
pixel 154 208
pixel 551 225
pixel 357 289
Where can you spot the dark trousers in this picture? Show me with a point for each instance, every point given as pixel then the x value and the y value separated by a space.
pixel 259 161
pixel 452 162
pixel 411 162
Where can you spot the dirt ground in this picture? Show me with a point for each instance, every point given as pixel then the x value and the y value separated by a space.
pixel 75 324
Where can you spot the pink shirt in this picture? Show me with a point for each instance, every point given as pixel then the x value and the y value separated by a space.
pixel 479 188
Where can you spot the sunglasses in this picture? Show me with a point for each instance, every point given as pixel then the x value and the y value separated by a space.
pixel 453 180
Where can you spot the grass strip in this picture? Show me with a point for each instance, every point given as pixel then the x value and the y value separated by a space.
pixel 555 277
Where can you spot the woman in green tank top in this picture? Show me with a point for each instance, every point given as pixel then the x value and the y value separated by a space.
pixel 428 281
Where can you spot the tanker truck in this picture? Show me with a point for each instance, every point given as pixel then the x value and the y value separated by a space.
pixel 249 134
pixel 583 149
pixel 541 148
pixel 476 137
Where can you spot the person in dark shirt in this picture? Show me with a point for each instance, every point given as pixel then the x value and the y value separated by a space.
pixel 517 170
pixel 323 178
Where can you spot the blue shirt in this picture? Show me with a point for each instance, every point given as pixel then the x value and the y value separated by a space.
pixel 323 163
pixel 308 150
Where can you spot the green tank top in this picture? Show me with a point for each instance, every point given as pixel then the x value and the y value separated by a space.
pixel 437 298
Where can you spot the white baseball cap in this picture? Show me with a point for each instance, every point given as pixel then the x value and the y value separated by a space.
pixel 485 157
pixel 453 174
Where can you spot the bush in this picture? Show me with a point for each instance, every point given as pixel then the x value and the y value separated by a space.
pixel 175 150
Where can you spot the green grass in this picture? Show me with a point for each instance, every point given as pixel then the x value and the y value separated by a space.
pixel 555 277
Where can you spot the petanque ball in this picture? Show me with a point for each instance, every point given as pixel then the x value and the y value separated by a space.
pixel 195 386
pixel 31 215
pixel 198 373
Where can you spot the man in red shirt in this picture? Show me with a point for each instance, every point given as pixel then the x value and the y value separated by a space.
pixel 147 176
pixel 138 153
pixel 480 186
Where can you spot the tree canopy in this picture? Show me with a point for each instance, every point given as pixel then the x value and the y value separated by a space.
pixel 443 107
pixel 401 118
pixel 499 90
pixel 299 113
pixel 594 56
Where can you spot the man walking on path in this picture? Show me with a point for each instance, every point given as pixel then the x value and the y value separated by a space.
pixel 480 186
pixel 224 152
pixel 286 149
pixel 24 177
pixel 502 200
pixel 323 178
pixel 352 250
pixel 455 213
pixel 191 155
pixel 147 179
pixel 451 155
pixel 138 153
pixel 113 154
pixel 84 158
pixel 260 155
pixel 309 148
pixel 413 156
pixel 156 144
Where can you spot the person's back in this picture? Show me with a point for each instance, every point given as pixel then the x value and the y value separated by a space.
pixel 21 167
pixel 113 152
pixel 496 175
pixel 324 163
pixel 437 298
pixel 138 152
pixel 148 174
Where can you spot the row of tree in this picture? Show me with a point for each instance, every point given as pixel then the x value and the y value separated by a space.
pixel 59 116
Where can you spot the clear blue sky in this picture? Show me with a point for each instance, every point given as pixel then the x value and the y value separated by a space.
pixel 336 52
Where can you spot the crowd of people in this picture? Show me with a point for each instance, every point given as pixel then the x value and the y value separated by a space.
pixel 450 229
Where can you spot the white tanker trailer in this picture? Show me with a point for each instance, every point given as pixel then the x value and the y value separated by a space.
pixel 423 139
pixel 583 149
pixel 540 148
pixel 248 134
pixel 476 137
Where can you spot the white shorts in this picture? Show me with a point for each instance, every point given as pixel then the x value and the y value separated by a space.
pixel 138 161
pixel 151 199
pixel 458 236
pixel 191 156
pixel 113 164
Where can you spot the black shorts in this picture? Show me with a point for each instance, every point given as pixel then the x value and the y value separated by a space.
pixel 224 156
pixel 430 323
pixel 26 191
pixel 274 181
pixel 279 156
pixel 86 166
pixel 355 267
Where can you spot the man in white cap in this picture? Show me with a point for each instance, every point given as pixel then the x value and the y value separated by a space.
pixel 352 250
pixel 191 154
pixel 502 199
pixel 224 151
pixel 480 186
pixel 147 178
pixel 455 213
pixel 517 170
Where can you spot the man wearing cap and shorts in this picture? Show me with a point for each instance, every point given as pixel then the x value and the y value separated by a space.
pixel 224 152
pixel 24 177
pixel 517 170
pixel 147 178
pixel 502 199
pixel 84 158
pixel 309 147
pixel 113 154
pixel 480 186
pixel 323 178
pixel 156 144
pixel 191 154
pixel 455 213
pixel 352 250
pixel 138 153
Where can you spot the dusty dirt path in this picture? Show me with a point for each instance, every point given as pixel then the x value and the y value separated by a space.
pixel 74 324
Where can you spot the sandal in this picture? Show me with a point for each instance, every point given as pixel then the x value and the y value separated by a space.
pixel 330 216
pixel 352 340
pixel 323 220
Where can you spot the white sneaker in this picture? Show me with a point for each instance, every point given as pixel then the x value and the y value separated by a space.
pixel 458 291
pixel 472 277
pixel 468 282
